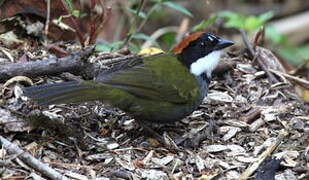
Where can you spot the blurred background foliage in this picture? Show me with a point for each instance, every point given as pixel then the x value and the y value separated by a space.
pixel 139 24
pixel 157 23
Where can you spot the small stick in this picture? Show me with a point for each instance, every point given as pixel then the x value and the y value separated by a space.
pixel 31 161
pixel 300 81
pixel 256 124
pixel 47 20
pixel 250 170
pixel 75 25
pixel 52 66
pixel 158 33
pixel 74 64
pixel 300 67
pixel 251 115
pixel 256 56
pixel 259 37
pixel 111 61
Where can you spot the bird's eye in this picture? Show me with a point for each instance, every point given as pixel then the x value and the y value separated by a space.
pixel 202 44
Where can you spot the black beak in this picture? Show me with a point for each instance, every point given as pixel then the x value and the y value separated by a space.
pixel 223 44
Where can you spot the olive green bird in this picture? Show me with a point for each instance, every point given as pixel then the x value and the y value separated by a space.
pixel 159 88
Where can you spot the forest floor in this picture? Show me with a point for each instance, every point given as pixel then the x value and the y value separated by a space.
pixel 244 119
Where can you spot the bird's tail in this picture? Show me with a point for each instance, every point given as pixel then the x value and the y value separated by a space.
pixel 66 92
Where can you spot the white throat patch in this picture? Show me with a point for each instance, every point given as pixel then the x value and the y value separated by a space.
pixel 206 64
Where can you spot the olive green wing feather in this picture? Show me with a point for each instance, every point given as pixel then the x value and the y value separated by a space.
pixel 160 77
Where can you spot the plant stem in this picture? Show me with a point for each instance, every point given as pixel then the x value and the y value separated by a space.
pixel 133 30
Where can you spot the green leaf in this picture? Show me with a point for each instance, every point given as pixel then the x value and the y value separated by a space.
pixel 263 18
pixel 234 23
pixel 251 23
pixel 168 40
pixel 69 5
pixel 76 13
pixel 108 47
pixel 233 20
pixel 275 37
pixel 203 24
pixel 295 55
pixel 178 8
pixel 134 48
pixel 230 15
pixel 144 37
pixel 248 23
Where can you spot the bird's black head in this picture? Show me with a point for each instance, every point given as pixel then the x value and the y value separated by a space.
pixel 200 51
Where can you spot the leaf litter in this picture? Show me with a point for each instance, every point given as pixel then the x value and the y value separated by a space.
pixel 92 140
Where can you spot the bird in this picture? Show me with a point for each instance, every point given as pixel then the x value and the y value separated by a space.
pixel 161 88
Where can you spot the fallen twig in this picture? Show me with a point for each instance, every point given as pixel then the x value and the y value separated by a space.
pixel 75 25
pixel 300 81
pixel 52 66
pixel 250 170
pixel 251 115
pixel 256 124
pixel 158 33
pixel 257 56
pixel 31 161
pixel 47 19
pixel 76 64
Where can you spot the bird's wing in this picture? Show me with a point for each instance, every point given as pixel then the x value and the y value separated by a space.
pixel 159 77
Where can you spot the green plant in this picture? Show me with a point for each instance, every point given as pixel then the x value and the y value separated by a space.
pixel 277 42
pixel 108 47
pixel 247 23
pixel 205 23
pixel 75 15
pixel 139 18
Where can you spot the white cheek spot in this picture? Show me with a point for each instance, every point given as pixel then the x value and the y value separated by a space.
pixel 206 64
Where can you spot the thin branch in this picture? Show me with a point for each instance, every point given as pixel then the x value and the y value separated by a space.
pixel 302 82
pixel 158 33
pixel 74 23
pixel 77 65
pixel 133 28
pixel 250 170
pixel 73 63
pixel 31 161
pixel 47 19
pixel 256 56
